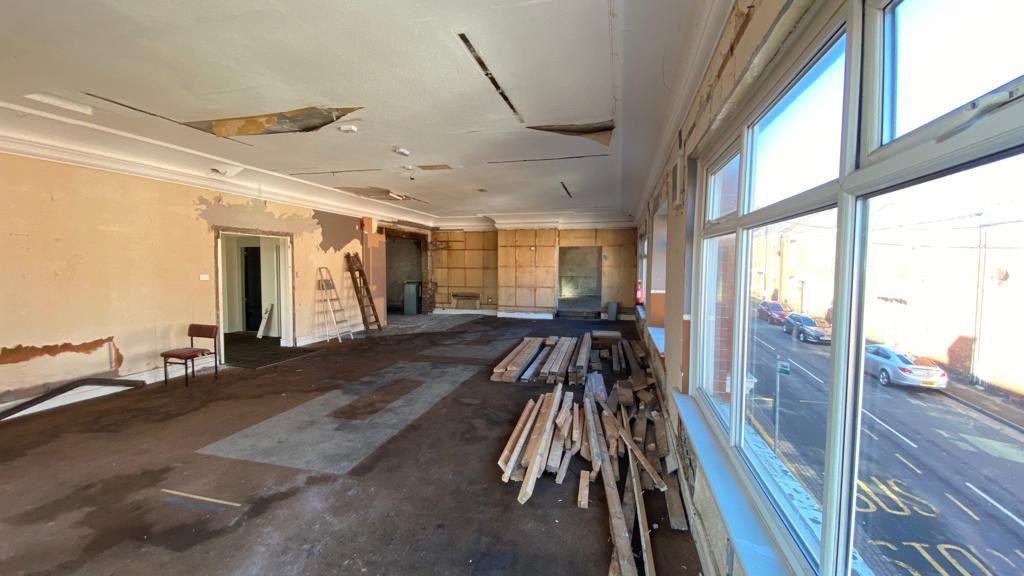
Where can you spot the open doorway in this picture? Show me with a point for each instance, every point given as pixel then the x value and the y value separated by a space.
pixel 579 281
pixel 255 299
pixel 406 266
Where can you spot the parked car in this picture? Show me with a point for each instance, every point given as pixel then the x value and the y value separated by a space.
pixel 807 329
pixel 773 312
pixel 893 367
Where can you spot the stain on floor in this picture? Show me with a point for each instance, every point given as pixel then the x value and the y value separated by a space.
pixel 404 482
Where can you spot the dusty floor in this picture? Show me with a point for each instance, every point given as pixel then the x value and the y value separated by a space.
pixel 301 479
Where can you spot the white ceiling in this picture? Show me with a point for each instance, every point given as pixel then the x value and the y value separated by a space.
pixel 559 62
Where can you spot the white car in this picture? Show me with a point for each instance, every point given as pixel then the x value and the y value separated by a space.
pixel 894 367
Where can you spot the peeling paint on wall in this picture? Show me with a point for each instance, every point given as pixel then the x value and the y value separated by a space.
pixel 252 215
pixel 336 230
pixel 307 119
pixel 22 353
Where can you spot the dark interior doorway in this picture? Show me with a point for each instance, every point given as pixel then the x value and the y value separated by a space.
pixel 252 290
pixel 405 272
pixel 579 281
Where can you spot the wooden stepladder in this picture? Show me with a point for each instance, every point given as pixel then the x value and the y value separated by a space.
pixel 327 294
pixel 362 288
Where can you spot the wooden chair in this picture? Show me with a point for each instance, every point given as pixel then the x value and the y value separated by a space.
pixel 191 353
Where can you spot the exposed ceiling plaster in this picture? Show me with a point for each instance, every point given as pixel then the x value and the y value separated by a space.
pixel 308 119
pixel 600 132
pixel 420 87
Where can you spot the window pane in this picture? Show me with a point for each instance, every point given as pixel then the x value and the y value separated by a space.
pixel 723 189
pixel 719 294
pixel 796 145
pixel 941 464
pixel 945 53
pixel 789 349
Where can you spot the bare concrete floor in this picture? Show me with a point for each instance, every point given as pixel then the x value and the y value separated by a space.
pixel 294 477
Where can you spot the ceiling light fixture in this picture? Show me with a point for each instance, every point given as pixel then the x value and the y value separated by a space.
pixel 396 195
pixel 348 128
pixel 60 102
pixel 400 151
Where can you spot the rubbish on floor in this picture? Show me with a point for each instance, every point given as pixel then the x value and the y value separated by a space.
pixel 609 432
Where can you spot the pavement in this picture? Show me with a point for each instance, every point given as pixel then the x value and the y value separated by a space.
pixel 940 481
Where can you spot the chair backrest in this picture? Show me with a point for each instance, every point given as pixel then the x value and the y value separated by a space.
pixel 202 331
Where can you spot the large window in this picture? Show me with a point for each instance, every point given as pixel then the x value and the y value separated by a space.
pixel 945 53
pixel 858 304
pixel 789 348
pixel 941 464
pixel 796 145
pixel 719 293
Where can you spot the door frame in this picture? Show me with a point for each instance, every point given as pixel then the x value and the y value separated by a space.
pixel 286 285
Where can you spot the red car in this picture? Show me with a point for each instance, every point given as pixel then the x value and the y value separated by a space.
pixel 773 312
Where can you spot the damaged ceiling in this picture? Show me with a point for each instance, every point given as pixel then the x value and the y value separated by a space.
pixel 482 94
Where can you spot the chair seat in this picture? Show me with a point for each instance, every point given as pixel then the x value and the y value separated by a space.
pixel 185 353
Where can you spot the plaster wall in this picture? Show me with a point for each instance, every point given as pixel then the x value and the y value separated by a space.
pixel 103 271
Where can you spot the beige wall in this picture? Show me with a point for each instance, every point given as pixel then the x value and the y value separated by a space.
pixel 102 271
pixel 465 262
pixel 527 270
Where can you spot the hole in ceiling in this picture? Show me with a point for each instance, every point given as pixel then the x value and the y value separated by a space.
pixel 434 167
pixel 487 72
pixel 383 194
pixel 566 188
pixel 308 119
pixel 148 113
pixel 549 159
pixel 600 132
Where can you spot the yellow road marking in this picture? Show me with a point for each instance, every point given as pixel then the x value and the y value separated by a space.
pixel 197 497
pixel 963 507
pixel 907 462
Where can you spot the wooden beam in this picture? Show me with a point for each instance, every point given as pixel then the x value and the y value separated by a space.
pixel 620 538
pixel 537 463
pixel 506 453
pixel 513 461
pixel 660 435
pixel 641 513
pixel 583 496
pixel 563 467
pixel 639 454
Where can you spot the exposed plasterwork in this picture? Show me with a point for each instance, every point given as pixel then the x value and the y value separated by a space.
pixel 308 119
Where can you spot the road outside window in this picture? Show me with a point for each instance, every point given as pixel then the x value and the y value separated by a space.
pixel 789 349
pixel 719 295
pixel 941 466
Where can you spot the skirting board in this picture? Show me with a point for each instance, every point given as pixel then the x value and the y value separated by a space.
pixel 481 312
pixel 527 315
pixel 204 364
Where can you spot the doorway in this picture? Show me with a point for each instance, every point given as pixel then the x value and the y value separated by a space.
pixel 405 265
pixel 254 273
pixel 579 281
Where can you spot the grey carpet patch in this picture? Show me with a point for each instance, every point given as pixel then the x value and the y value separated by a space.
pixel 309 437
pixel 421 323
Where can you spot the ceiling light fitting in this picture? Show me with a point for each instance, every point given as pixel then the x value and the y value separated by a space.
pixel 400 151
pixel 348 128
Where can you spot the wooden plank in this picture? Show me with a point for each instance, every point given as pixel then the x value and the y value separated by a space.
pixel 555 454
pixel 583 497
pixel 530 374
pixel 548 441
pixel 636 374
pixel 506 453
pixel 585 443
pixel 565 414
pixel 638 453
pixel 535 433
pixel 537 463
pixel 616 360
pixel 674 501
pixel 641 513
pixel 513 460
pixel 500 366
pixel 640 425
pixel 625 394
pixel 638 349
pixel 645 396
pixel 660 435
pixel 551 340
pixel 577 436
pixel 620 538
pixel 563 467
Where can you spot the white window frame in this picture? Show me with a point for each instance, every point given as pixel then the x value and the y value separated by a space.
pixel 989 127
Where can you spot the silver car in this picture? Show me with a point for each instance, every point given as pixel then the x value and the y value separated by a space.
pixel 893 367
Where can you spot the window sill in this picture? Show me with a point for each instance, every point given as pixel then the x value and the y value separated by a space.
pixel 755 549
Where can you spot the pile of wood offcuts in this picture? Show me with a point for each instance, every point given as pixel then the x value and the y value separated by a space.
pixel 620 434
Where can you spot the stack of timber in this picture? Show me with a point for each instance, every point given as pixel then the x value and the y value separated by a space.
pixel 518 361
pixel 580 364
pixel 621 441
